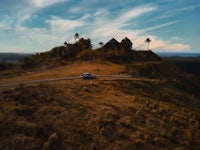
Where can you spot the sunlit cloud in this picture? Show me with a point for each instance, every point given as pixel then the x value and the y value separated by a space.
pixel 166 45
pixel 178 47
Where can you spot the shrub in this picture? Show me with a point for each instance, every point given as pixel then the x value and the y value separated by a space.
pixel 25 110
pixel 87 54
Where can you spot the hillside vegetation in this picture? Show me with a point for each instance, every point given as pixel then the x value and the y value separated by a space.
pixel 113 51
pixel 102 113
pixel 187 64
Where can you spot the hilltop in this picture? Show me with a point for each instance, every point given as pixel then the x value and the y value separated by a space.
pixel 82 50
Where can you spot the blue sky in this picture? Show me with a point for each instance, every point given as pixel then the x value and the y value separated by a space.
pixel 39 25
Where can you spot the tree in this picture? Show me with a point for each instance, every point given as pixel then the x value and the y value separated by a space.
pixel 84 43
pixel 126 44
pixel 101 44
pixel 148 40
pixel 65 43
pixel 76 36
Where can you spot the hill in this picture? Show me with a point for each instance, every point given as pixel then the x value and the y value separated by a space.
pixel 11 60
pixel 12 57
pixel 82 50
pixel 103 113
pixel 187 64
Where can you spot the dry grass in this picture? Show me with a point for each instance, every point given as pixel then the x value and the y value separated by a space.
pixel 94 114
pixel 97 114
pixel 67 71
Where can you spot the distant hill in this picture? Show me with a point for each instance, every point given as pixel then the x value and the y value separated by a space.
pixel 165 54
pixel 12 57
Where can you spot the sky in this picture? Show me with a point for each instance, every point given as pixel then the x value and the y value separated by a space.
pixel 30 26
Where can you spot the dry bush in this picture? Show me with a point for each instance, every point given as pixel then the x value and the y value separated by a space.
pixel 26 128
pixel 139 135
pixel 127 123
pixel 157 140
pixel 53 143
pixel 25 110
pixel 147 137
pixel 22 142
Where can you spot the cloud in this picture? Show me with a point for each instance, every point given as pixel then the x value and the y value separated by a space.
pixel 160 44
pixel 45 3
pixel 105 29
pixel 99 24
pixel 135 12
pixel 57 24
pixel 187 8
pixel 138 38
pixel 158 26
pixel 22 11
pixel 83 6
pixel 106 26
pixel 5 24
pixel 56 31
pixel 177 47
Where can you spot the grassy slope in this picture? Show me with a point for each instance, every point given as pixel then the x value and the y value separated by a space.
pixel 100 114
pixel 65 71
pixel 187 64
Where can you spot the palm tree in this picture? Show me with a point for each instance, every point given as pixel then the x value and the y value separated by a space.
pixel 148 40
pixel 76 36
pixel 65 43
pixel 101 44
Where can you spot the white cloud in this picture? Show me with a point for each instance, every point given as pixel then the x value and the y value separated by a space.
pixel 162 45
pixel 26 10
pixel 177 47
pixel 6 22
pixel 135 12
pixel 58 24
pixel 41 39
pixel 104 26
pixel 158 26
pixel 45 3
pixel 4 26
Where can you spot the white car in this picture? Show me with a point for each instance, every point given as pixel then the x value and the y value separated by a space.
pixel 87 75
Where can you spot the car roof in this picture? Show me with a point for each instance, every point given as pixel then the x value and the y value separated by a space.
pixel 86 73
